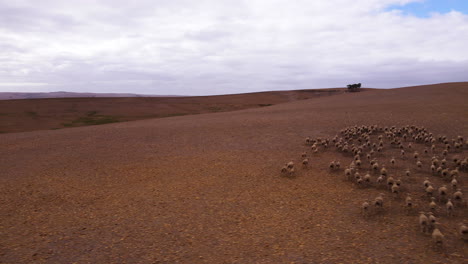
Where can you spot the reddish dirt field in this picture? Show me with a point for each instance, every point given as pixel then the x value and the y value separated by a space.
pixel 207 188
pixel 56 113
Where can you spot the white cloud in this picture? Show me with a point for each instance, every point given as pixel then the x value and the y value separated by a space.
pixel 225 46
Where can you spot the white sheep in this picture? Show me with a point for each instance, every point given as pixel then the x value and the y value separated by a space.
pixel 442 193
pixel 337 165
pixel 383 171
pixel 408 203
pixel 365 209
pixel 458 197
pixel 454 173
pixel 395 190
pixel 348 173
pixel 454 183
pixel 433 205
pixel 375 167
pixel 380 180
pixel 429 190
pixel 358 163
pixel 463 231
pixel 367 178
pixel 449 207
pixel 407 172
pixel 437 236
pixel 432 220
pixel 390 182
pixel 379 202
pixel 423 222
pixel 419 164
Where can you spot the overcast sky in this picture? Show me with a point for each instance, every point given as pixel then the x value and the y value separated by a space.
pixel 199 47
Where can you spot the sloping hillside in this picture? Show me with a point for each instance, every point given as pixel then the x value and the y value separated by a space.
pixel 207 188
pixel 57 113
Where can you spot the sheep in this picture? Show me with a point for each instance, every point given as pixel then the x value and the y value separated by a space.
pixel 407 172
pixel 392 161
pixel 402 153
pixel 305 162
pixel 395 190
pixel 367 178
pixel 454 173
pixel 356 157
pixel 458 197
pixel 416 155
pixel 290 165
pixel 383 171
pixel 445 173
pixel 291 172
pixel 426 183
pixel 358 163
pixel 284 169
pixel 423 222
pixel 432 220
pixel 304 154
pixel 454 183
pixel 433 205
pixel 433 168
pixel 442 192
pixel 380 180
pixel 398 182
pixel 444 162
pixel 419 164
pixel 348 173
pixel 449 207
pixel 365 209
pixel 375 167
pixel 463 231
pixel 379 202
pixel 437 236
pixel 390 182
pixel 408 203
pixel 337 165
pixel 332 165
pixel 445 152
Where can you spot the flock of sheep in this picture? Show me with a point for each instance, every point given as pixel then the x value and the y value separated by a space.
pixel 427 159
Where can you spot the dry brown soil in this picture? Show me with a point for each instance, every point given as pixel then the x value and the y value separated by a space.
pixel 56 113
pixel 207 188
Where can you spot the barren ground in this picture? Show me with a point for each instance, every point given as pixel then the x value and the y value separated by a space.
pixel 207 188
pixel 57 113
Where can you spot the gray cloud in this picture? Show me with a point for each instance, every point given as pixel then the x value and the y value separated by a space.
pixel 225 46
